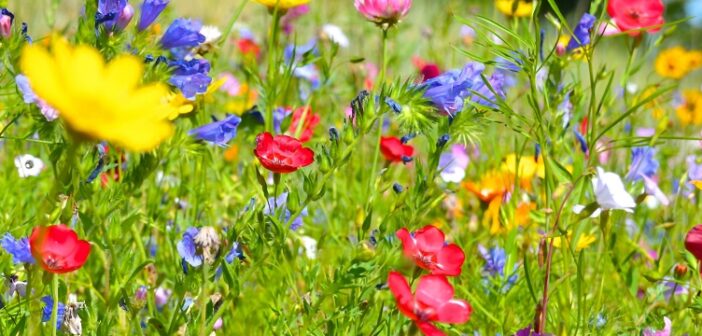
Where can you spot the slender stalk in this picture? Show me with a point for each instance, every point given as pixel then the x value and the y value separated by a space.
pixel 381 79
pixel 203 300
pixel 272 68
pixel 54 308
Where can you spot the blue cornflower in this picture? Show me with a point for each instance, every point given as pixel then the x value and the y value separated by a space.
pixel 108 12
pixel 449 90
pixel 234 253
pixel 581 33
pixel 48 309
pixel 294 53
pixel 150 10
pixel 280 202
pixel 17 248
pixel 198 245
pixel 495 262
pixel 187 249
pixel 182 33
pixel 219 132
pixel 191 77
pixel 643 163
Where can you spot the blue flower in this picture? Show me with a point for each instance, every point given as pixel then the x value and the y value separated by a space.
pixel 191 77
pixel 643 163
pixel 280 202
pixel 234 253
pixel 182 33
pixel 582 142
pixel 187 249
pixel 218 132
pixel 109 11
pixel 449 90
pixel 294 53
pixel 17 248
pixel 150 10
pixel 495 262
pixel 581 33
pixel 487 95
pixel 279 115
pixel 48 309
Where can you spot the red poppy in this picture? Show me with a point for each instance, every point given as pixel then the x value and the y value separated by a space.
pixel 311 120
pixel 432 302
pixel 57 248
pixel 634 15
pixel 693 241
pixel 248 47
pixel 394 150
pixel 426 69
pixel 282 153
pixel 428 249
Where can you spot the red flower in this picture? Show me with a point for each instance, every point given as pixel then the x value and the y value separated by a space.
pixel 693 241
pixel 248 47
pixel 432 302
pixel 634 15
pixel 282 153
pixel 427 248
pixel 57 248
pixel 310 121
pixel 426 69
pixel 393 149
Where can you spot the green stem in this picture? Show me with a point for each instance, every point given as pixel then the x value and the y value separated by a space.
pixel 54 308
pixel 203 300
pixel 379 83
pixel 272 68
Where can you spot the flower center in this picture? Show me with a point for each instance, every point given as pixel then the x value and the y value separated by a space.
pixel 29 164
pixel 423 313
pixel 53 263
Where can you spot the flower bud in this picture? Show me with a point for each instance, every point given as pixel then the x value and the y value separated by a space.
pixel 6 19
pixel 680 271
pixel 125 17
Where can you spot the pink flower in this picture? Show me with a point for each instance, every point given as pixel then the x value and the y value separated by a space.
pixel 632 16
pixel 665 332
pixel 428 249
pixel 383 11
pixel 6 18
pixel 432 302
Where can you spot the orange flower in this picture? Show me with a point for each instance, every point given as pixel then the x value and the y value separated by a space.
pixel 494 183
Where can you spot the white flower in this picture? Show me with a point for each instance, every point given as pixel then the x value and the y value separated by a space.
pixel 336 35
pixel 610 192
pixel 28 165
pixel 211 33
pixel 310 245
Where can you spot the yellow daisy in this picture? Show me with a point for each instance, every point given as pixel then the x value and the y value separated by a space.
pixel 99 101
pixel 516 8
pixel 690 111
pixel 673 63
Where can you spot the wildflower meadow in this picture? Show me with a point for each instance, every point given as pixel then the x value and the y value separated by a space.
pixel 351 167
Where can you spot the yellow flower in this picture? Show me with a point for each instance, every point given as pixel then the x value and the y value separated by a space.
pixel 96 100
pixel 527 167
pixel 584 241
pixel 180 105
pixel 243 101
pixel 282 4
pixel 673 63
pixel 694 59
pixel 655 105
pixel 517 8
pixel 690 111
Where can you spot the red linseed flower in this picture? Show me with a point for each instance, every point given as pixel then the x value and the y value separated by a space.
pixel 57 248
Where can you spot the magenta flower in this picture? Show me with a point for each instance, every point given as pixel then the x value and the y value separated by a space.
pixel 383 11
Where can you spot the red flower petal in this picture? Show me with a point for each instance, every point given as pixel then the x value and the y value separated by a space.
pixel 429 239
pixel 282 153
pixel 429 329
pixel 693 241
pixel 454 311
pixel 409 247
pixel 433 291
pixel 450 259
pixel 393 150
pixel 403 294
pixel 57 248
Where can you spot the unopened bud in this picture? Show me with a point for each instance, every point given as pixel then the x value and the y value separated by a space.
pixel 680 271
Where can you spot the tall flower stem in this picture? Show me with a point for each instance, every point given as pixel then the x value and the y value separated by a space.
pixel 379 83
pixel 203 300
pixel 272 68
pixel 54 308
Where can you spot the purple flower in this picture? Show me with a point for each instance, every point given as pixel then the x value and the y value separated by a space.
pixel 125 17
pixel 694 169
pixel 291 16
pixel 48 309
pixel 150 10
pixel 581 33
pixel 30 97
pixel 485 95
pixel 182 33
pixel 449 90
pixel 234 253
pixel 109 11
pixel 161 296
pixel 453 163
pixel 187 249
pixel 17 248
pixel 671 287
pixel 643 163
pixel 191 77
pixel 495 262
pixel 294 53
pixel 218 132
